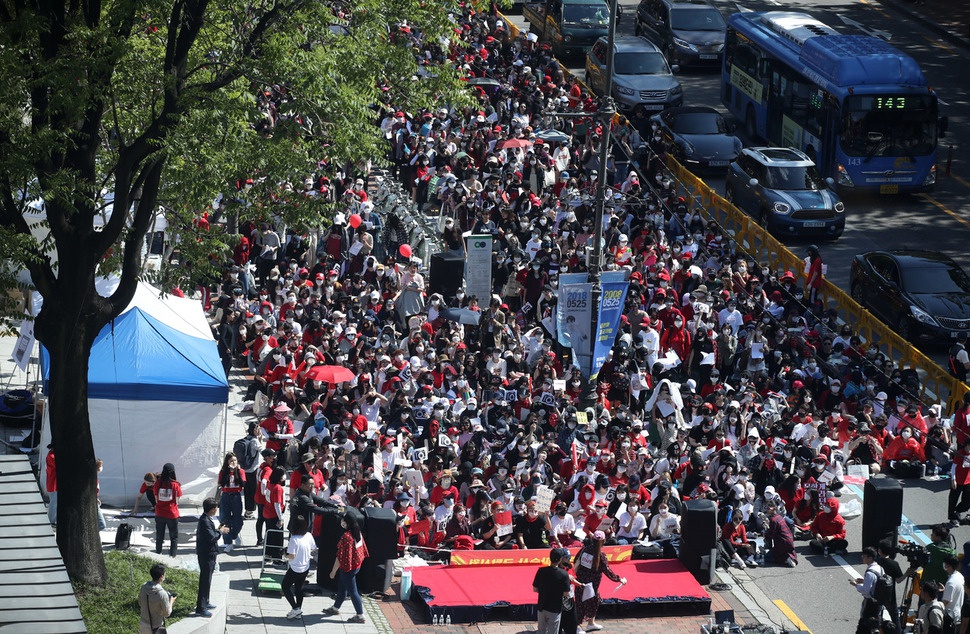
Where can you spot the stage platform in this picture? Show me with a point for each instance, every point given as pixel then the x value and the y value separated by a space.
pixel 473 594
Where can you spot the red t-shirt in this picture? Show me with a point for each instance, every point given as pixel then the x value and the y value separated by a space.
pixel 263 473
pixel 275 497
pixel 51 472
pixel 167 499
pixel 350 555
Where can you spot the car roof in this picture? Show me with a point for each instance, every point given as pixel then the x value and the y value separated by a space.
pixel 779 156
pixel 689 4
pixel 916 257
pixel 690 110
pixel 633 43
pixel 586 2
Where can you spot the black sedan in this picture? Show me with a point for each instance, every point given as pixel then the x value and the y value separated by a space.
pixel 699 137
pixel 918 293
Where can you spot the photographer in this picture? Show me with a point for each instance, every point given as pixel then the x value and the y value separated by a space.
pixel 154 601
pixel 936 552
pixel 886 558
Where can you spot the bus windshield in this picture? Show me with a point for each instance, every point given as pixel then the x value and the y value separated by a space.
pixel 793 178
pixel 889 125
pixel 590 15
pixel 640 64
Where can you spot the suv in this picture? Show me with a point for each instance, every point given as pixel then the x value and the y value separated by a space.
pixel 781 188
pixel 689 32
pixel 642 80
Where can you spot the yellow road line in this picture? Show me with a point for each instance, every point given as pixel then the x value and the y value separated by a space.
pixel 960 180
pixel 944 209
pixel 797 622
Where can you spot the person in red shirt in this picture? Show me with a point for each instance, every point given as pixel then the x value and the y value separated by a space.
pixel 351 553
pixel 167 494
pixel 961 421
pixel 231 482
pixel 278 429
pixel 597 520
pixel 676 338
pixel 734 539
pixel 51 470
pixel 445 486
pixel 263 473
pixel 273 514
pixel 958 501
pixel 904 455
pixel 828 529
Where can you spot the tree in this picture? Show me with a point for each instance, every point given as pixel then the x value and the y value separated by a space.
pixel 118 109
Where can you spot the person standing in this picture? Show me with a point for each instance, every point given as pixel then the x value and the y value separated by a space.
pixel 591 565
pixel 206 549
pixel 51 471
pixel 247 453
pixel 932 613
pixel 813 275
pixel 154 602
pixel 958 501
pixel 263 474
pixel 866 585
pixel 351 553
pixel 551 583
pixel 952 594
pixel 232 479
pixel 273 514
pixel 167 494
pixel 298 552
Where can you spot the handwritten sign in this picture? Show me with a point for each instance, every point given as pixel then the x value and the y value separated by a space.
pixel 582 418
pixel 544 497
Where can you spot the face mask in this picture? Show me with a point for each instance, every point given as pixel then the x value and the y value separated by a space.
pixel 449 503
pixel 678 322
pixel 906 435
pixel 800 472
pixel 445 483
pixel 826 509
pixel 523 447
pixel 664 512
pixel 621 496
pixel 835 389
pixel 503 472
pixel 626 445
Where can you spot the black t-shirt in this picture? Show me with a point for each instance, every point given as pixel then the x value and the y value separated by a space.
pixel 552 582
pixel 532 532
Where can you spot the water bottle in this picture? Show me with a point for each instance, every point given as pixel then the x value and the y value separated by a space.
pixel 906 528
pixel 448 619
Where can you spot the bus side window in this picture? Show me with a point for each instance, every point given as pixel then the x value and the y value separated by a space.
pixel 730 44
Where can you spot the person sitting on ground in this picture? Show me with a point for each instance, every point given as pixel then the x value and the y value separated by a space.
pixel 779 543
pixel 828 529
pixel 904 456
pixel 734 539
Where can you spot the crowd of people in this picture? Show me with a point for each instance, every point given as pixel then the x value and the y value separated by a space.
pixel 727 380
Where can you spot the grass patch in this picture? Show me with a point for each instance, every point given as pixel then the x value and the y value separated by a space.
pixel 114 609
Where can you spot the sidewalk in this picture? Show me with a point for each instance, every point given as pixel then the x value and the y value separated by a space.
pixel 950 19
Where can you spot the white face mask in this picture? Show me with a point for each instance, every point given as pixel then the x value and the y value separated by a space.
pixel 906 434
pixel 445 483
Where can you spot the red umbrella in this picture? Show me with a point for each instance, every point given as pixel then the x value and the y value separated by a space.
pixel 332 374
pixel 501 145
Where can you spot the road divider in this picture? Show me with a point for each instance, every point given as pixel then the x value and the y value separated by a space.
pixel 791 616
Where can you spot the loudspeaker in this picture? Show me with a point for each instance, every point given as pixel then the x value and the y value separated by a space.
pixel 447 274
pixel 698 538
pixel 381 533
pixel 882 510
pixel 330 533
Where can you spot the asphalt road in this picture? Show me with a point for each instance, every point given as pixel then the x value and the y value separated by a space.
pixel 817 591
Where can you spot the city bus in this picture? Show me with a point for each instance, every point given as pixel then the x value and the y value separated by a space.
pixel 853 103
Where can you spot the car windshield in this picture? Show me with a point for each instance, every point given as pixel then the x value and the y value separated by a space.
pixel 936 278
pixel 793 178
pixel 590 15
pixel 640 64
pixel 700 123
pixel 696 20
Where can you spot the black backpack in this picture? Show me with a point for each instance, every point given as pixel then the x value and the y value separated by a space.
pixel 247 453
pixel 884 590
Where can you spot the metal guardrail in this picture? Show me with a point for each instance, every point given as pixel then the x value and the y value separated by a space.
pixel 764 248
pixel 423 235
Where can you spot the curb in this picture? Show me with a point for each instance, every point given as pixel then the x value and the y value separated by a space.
pixel 900 6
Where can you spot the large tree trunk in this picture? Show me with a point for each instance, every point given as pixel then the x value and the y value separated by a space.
pixel 67 326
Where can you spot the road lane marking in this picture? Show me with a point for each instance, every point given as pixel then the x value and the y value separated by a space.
pixel 960 180
pixel 944 209
pixel 791 616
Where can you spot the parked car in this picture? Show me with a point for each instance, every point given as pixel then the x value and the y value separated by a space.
pixel 642 79
pixel 689 32
pixel 781 188
pixel 699 137
pixel 569 26
pixel 917 293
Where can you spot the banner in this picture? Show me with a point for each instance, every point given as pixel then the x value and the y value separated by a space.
pixel 610 309
pixel 576 302
pixel 566 279
pixel 534 557
pixel 25 345
pixel 478 267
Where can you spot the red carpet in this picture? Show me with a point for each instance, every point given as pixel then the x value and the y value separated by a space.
pixel 479 593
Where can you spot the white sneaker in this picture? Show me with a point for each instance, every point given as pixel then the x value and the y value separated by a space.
pixel 226 548
pixel 237 542
pixel 295 613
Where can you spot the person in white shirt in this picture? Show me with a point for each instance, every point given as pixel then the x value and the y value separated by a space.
pixel 731 315
pixel 496 364
pixel 298 552
pixel 866 586
pixel 632 523
pixel 952 594
pixel 563 526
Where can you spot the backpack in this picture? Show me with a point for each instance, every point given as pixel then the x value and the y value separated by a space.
pixel 247 453
pixel 884 590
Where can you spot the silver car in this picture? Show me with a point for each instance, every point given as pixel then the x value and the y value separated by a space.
pixel 643 83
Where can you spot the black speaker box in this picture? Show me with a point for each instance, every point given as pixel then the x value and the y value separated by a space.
pixel 381 533
pixel 882 510
pixel 447 274
pixel 698 538
pixel 330 532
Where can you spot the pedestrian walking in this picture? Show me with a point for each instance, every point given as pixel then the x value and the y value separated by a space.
pixel 813 275
pixel 869 617
pixel 247 451
pixel 351 553
pixel 167 494
pixel 232 479
pixel 591 565
pixel 50 464
pixel 206 549
pixel 552 584
pixel 298 553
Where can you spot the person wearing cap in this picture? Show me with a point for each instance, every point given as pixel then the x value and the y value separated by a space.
pixel 307 466
pixel 444 487
pixel 491 540
pixel 306 502
pixel 278 430
pixel 591 565
pixel 828 529
pixel 532 529
pixel 552 584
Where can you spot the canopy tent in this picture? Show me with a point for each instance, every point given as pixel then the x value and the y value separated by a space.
pixel 157 393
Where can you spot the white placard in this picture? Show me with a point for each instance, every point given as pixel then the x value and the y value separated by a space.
pixel 544 497
pixel 478 266
pixel 414 478
pixel 757 350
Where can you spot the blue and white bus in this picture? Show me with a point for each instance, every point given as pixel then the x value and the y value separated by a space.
pixel 857 106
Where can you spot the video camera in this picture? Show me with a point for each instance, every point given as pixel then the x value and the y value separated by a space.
pixel 915 554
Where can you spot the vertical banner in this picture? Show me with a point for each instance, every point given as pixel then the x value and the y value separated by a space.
pixel 610 309
pixel 25 345
pixel 478 267
pixel 576 302
pixel 566 279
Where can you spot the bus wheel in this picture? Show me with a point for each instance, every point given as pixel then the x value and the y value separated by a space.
pixel 750 125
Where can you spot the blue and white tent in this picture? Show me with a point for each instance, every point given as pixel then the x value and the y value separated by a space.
pixel 157 393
